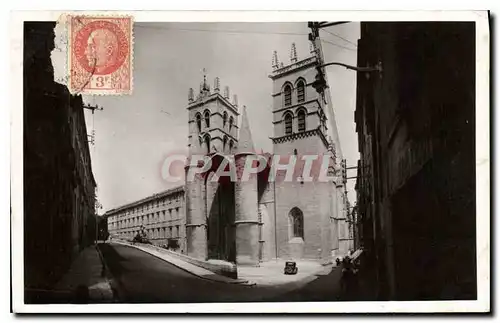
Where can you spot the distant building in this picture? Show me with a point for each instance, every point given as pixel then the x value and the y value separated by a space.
pixel 247 222
pixel 59 186
pixel 416 179
pixel 162 215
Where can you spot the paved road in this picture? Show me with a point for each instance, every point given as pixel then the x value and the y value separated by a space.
pixel 143 278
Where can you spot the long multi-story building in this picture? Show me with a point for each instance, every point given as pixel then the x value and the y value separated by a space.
pixel 161 215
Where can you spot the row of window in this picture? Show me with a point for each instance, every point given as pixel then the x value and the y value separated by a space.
pixel 155 233
pixel 226 144
pixel 145 219
pixel 145 207
pixel 206 118
pixel 301 121
pixel 300 89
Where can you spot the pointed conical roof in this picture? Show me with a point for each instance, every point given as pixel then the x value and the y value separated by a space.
pixel 245 142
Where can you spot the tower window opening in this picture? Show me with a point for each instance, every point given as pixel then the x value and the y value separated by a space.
pixel 198 122
pixel 224 120
pixel 207 119
pixel 288 95
pixel 224 143
pixel 231 144
pixel 231 121
pixel 288 124
pixel 301 93
pixel 301 116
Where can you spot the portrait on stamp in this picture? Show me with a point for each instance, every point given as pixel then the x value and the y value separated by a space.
pixel 100 54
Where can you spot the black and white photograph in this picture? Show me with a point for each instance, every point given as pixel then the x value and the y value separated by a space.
pixel 250 160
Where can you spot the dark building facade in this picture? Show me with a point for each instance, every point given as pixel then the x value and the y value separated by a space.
pixel 59 187
pixel 416 181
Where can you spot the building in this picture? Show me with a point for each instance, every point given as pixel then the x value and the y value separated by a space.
pixel 247 222
pixel 162 215
pixel 59 186
pixel 416 179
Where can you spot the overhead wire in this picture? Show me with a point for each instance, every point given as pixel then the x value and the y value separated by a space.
pixel 331 43
pixel 246 32
pixel 338 36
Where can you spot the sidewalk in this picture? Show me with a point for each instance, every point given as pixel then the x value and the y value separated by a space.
pixel 85 280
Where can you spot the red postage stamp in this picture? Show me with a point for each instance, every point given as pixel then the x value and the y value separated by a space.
pixel 100 54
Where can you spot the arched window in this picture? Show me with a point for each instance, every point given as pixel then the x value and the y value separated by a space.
pixel 224 143
pixel 301 91
pixel 207 143
pixel 231 144
pixel 224 120
pixel 198 121
pixel 297 222
pixel 301 116
pixel 288 94
pixel 207 119
pixel 288 123
pixel 231 121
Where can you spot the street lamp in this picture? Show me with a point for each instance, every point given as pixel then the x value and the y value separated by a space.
pixel 319 83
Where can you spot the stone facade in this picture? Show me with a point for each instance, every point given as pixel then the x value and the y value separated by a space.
pixel 416 185
pixel 59 186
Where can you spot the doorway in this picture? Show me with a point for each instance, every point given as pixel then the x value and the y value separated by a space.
pixel 221 239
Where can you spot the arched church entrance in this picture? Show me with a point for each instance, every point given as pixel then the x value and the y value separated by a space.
pixel 221 238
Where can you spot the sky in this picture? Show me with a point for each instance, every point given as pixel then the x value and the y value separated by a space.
pixel 134 132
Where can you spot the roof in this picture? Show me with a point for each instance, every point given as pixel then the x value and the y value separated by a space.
pixel 245 142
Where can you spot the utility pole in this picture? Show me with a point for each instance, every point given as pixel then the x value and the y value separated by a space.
pixel 88 106
pixel 97 205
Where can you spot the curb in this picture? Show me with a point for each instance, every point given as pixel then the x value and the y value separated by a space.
pixel 215 277
pixel 106 273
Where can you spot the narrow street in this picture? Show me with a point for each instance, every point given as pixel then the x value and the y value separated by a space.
pixel 143 278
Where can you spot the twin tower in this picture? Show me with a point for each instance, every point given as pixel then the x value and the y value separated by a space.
pixel 252 221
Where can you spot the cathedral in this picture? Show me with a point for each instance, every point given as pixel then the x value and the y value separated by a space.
pixel 256 220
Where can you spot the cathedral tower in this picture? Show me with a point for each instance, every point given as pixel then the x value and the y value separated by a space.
pixel 213 130
pixel 305 210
